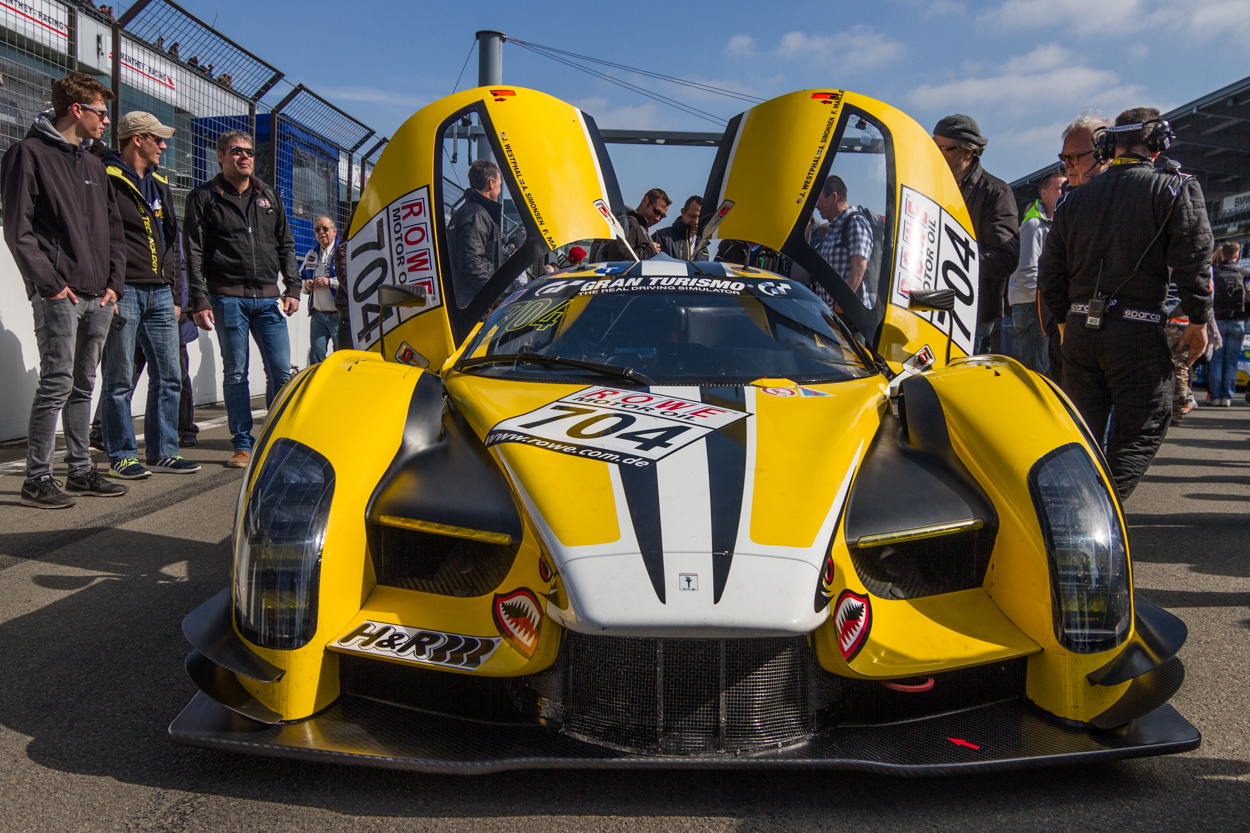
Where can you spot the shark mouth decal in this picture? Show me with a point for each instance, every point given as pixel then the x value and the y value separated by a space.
pixel 518 616
pixel 853 620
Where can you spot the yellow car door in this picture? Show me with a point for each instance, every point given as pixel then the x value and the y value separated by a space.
pixel 905 217
pixel 557 187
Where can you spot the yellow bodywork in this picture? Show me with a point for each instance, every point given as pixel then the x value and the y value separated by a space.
pixel 1001 420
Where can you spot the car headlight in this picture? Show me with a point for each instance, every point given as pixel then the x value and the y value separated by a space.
pixel 1089 573
pixel 277 555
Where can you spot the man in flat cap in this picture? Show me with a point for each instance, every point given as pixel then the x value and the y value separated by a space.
pixel 149 309
pixel 992 207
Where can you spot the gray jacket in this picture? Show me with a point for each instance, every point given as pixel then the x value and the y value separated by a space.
pixel 1023 286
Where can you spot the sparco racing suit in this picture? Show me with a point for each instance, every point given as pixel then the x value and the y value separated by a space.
pixel 1113 241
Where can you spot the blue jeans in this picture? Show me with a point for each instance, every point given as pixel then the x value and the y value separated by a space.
pixel 1222 370
pixel 1024 339
pixel 151 323
pixel 234 319
pixel 324 327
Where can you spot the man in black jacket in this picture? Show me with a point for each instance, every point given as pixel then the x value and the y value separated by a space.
pixel 679 239
pixel 238 243
pixel 150 308
pixel 474 232
pixel 652 208
pixel 1104 273
pixel 62 224
pixel 992 208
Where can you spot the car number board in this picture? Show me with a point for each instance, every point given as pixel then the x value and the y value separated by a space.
pixel 625 427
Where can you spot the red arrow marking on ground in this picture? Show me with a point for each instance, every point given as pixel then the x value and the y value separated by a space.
pixel 962 742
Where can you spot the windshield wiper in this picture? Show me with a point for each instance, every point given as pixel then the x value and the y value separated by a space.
pixel 627 373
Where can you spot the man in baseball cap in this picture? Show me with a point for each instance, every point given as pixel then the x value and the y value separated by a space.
pixel 992 208
pixel 149 309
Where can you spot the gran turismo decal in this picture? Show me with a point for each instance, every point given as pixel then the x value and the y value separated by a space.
pixel 395 247
pixel 416 645
pixel 518 617
pixel 625 427
pixel 796 391
pixel 607 286
pixel 853 620
pixel 934 252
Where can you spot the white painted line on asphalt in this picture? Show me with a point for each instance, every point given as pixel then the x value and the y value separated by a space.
pixel 19 466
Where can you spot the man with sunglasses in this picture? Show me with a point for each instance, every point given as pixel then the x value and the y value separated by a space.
pixel 1080 162
pixel 320 277
pixel 61 222
pixel 652 208
pixel 238 243
pixel 149 310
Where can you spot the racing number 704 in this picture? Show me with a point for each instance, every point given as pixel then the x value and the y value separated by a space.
pixel 647 439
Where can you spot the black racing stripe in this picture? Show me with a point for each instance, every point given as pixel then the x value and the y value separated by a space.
pixel 726 469
pixel 642 494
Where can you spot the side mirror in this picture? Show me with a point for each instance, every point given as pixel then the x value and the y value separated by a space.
pixel 926 300
pixel 415 296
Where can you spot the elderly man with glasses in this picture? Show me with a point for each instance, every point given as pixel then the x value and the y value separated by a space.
pixel 238 244
pixel 62 223
pixel 992 208
pixel 322 283
pixel 150 308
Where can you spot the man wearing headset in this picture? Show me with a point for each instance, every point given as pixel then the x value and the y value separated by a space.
pixel 1104 274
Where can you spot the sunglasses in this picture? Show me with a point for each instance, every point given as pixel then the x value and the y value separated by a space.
pixel 155 139
pixel 102 111
pixel 1073 158
pixel 235 150
pixel 323 228
pixel 949 149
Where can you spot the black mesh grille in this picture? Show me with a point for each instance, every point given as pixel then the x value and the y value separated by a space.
pixel 688 696
pixel 439 564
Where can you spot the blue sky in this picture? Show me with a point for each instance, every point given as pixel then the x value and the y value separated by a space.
pixel 1022 68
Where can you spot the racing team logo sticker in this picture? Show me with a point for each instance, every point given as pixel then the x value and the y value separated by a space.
pixel 853 620
pixel 416 645
pixel 797 391
pixel 624 427
pixel 517 615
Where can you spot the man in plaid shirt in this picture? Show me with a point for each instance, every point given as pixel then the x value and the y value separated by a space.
pixel 847 240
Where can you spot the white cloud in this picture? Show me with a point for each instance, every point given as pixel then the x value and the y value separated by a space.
pixel 858 48
pixel 1046 56
pixel 1200 20
pixel 1139 51
pixel 741 46
pixel 642 117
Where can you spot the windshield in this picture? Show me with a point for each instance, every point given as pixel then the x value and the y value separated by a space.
pixel 671 329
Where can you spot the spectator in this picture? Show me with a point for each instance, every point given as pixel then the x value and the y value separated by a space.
pixel 577 255
pixel 846 241
pixel 680 239
pixel 149 309
pixel 1023 336
pixel 992 208
pixel 208 70
pixel 56 200
pixel 194 61
pixel 238 244
pixel 1080 162
pixel 651 209
pixel 475 232
pixel 1231 308
pixel 1112 245
pixel 173 51
pixel 322 283
pixel 160 42
pixel 226 80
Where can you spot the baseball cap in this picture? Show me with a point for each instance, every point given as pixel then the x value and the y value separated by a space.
pixel 138 122
pixel 577 253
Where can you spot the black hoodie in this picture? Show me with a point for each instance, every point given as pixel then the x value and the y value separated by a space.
pixel 61 219
pixel 151 235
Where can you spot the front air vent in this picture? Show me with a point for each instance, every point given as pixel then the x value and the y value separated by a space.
pixel 925 567
pixel 442 564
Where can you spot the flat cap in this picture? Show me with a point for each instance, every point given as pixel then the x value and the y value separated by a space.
pixel 137 121
pixel 962 129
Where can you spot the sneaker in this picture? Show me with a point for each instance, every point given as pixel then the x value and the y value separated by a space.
pixel 187 441
pixel 1226 403
pixel 240 459
pixel 94 484
pixel 95 439
pixel 45 493
pixel 128 469
pixel 174 465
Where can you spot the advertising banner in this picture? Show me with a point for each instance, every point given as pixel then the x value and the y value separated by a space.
pixel 44 21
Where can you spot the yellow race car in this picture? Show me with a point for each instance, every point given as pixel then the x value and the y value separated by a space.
pixel 669 513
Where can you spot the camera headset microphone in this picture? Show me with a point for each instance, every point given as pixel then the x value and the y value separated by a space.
pixel 1156 141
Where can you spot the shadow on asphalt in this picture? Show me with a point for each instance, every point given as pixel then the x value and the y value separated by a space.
pixel 94 679
pixel 1199 539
